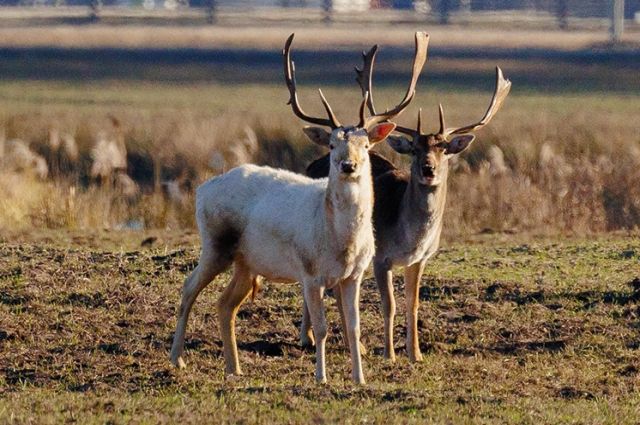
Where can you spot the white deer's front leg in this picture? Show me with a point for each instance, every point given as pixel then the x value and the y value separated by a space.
pixel 313 293
pixel 350 297
pixel 363 349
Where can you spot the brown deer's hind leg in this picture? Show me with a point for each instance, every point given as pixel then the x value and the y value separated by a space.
pixel 337 291
pixel 306 335
pixel 384 279
pixel 235 293
pixel 412 275
pixel 345 327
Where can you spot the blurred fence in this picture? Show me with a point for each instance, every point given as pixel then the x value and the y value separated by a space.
pixel 596 15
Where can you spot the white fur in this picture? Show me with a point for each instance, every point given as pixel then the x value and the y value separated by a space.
pixel 283 221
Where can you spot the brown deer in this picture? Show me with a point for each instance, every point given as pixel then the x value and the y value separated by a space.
pixel 409 207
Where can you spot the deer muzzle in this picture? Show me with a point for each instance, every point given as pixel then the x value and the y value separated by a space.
pixel 348 167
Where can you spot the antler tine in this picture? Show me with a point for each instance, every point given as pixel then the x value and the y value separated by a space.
pixel 499 95
pixel 420 56
pixel 441 117
pixel 410 131
pixel 406 130
pixel 290 79
pixel 334 121
pixel 364 76
pixel 365 101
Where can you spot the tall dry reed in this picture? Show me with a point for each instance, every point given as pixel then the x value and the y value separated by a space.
pixel 545 165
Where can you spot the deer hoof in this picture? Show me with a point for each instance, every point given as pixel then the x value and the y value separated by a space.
pixel 179 363
pixel 307 341
pixel 415 357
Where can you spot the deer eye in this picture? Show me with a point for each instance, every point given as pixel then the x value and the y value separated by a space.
pixel 331 146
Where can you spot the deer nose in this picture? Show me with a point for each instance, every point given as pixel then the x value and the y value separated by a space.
pixel 348 166
pixel 428 170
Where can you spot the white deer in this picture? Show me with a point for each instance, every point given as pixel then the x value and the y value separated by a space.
pixel 288 227
pixel 409 207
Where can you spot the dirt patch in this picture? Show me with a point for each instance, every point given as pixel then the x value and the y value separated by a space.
pixel 20 376
pixel 94 300
pixel 11 273
pixel 113 348
pixel 520 346
pixel 7 298
pixel 628 371
pixel 269 349
pixel 574 393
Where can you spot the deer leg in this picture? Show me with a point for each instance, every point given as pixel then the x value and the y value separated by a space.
pixel 384 279
pixel 229 302
pixel 306 336
pixel 412 275
pixel 208 267
pixel 345 328
pixel 350 300
pixel 313 293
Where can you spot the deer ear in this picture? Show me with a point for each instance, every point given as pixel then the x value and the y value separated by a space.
pixel 459 143
pixel 380 132
pixel 318 135
pixel 400 144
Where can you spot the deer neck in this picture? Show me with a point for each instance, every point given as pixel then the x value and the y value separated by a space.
pixel 423 208
pixel 348 208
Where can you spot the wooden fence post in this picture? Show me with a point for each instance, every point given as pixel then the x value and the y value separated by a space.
pixel 212 9
pixel 562 14
pixel 327 7
pixel 94 10
pixel 444 7
pixel 617 20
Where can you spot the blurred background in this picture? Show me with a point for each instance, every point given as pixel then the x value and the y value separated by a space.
pixel 113 111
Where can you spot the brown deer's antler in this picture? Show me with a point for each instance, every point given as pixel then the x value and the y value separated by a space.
pixel 364 78
pixel 503 86
pixel 290 79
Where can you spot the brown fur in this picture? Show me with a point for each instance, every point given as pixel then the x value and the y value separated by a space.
pixel 309 266
pixel 226 243
pixel 412 276
pixel 389 188
pixel 241 286
pixel 256 286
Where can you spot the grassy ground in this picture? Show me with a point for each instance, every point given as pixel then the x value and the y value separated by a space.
pixel 514 330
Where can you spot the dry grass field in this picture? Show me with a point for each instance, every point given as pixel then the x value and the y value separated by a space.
pixel 311 35
pixel 553 160
pixel 529 314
